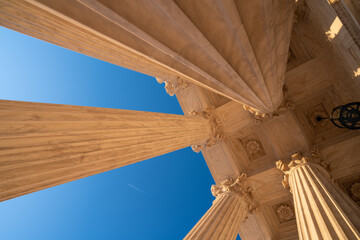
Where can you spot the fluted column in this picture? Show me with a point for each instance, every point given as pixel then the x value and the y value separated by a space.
pixel 232 204
pixel 323 210
pixel 170 39
pixel 43 145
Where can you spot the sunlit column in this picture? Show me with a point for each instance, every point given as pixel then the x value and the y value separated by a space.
pixel 323 210
pixel 222 221
pixel 43 145
pixel 177 44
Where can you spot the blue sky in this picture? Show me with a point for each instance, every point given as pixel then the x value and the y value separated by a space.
pixel 160 198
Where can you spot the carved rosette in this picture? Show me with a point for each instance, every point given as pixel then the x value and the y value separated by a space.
pixel 253 146
pixel 298 160
pixel 285 212
pixel 217 133
pixel 238 188
pixel 173 85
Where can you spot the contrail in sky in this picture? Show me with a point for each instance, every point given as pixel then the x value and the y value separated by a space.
pixel 137 189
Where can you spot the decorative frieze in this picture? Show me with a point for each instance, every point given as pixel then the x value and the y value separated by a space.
pixel 217 133
pixel 173 85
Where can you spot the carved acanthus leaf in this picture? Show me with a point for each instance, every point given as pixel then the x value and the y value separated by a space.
pixel 239 188
pixel 217 132
pixel 286 105
pixel 196 148
pixel 172 85
pixel 256 115
pixel 298 159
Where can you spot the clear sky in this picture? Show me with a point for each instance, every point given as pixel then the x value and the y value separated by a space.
pixel 160 198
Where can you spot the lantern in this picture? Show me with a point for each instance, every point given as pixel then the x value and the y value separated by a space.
pixel 347 116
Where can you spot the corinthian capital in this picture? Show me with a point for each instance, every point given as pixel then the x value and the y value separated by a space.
pixel 236 187
pixel 215 123
pixel 172 85
pixel 286 105
pixel 298 159
pixel 256 114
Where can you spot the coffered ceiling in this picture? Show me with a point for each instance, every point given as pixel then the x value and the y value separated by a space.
pixel 316 82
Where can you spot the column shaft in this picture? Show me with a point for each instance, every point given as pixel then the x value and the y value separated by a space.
pixel 323 211
pixel 177 43
pixel 43 145
pixel 221 221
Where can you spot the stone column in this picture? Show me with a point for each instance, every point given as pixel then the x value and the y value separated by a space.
pixel 232 204
pixel 177 43
pixel 323 210
pixel 43 145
